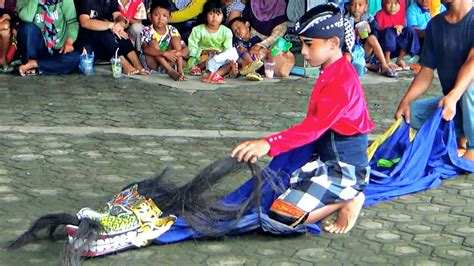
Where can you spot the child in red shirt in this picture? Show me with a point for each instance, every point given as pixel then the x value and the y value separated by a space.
pixel 337 124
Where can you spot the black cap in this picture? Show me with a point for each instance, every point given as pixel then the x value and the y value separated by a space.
pixel 321 22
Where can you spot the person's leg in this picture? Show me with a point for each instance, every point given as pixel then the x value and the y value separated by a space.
pixel 372 44
pixel 151 62
pixel 135 34
pixel 59 63
pixel 389 45
pixel 31 46
pixel 467 105
pixel 408 41
pixel 350 152
pixel 5 41
pixel 421 110
pixel 175 75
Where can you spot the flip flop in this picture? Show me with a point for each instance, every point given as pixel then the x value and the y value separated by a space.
pixel 195 71
pixel 251 68
pixel 254 76
pixel 389 73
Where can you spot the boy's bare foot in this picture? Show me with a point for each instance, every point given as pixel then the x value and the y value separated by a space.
pixel 176 76
pixel 394 67
pixel 28 68
pixel 469 154
pixel 461 152
pixel 347 216
pixel 403 65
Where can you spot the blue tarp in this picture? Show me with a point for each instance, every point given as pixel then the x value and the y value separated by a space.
pixel 424 162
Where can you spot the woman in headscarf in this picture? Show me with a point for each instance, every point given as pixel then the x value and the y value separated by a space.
pixel 269 22
pixel 395 38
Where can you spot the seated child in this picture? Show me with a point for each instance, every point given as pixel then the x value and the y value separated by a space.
pixel 395 38
pixel 8 21
pixel 358 14
pixel 162 45
pixel 134 12
pixel 208 40
pixel 243 42
pixel 335 128
pixel 418 16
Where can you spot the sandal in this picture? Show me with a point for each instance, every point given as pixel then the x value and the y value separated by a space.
pixel 389 73
pixel 251 68
pixel 254 76
pixel 214 78
pixel 195 71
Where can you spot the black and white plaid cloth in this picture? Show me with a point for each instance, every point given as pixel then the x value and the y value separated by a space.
pixel 317 184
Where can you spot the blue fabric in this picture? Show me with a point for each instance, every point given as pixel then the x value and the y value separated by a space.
pixel 434 147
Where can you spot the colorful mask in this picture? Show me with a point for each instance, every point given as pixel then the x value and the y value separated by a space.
pixel 129 220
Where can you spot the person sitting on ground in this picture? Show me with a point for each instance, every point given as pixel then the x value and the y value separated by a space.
pixel 208 40
pixel 243 42
pixel 396 39
pixel 358 15
pixel 103 32
pixel 47 36
pixel 134 12
pixel 162 44
pixel 418 16
pixel 8 24
pixel 335 128
pixel 233 9
pixel 454 61
pixel 269 22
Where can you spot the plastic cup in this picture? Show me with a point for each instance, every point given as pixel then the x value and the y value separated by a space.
pixel 88 66
pixel 269 69
pixel 116 65
pixel 363 32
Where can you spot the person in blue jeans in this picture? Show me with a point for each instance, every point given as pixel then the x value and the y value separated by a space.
pixel 454 61
pixel 46 37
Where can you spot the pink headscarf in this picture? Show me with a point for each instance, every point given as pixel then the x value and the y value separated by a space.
pixel 385 20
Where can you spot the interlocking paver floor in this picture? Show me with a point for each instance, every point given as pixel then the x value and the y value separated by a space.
pixel 69 142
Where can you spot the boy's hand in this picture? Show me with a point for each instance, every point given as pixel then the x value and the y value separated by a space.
pixel 449 104
pixel 399 29
pixel 170 56
pixel 67 47
pixel 255 52
pixel 403 110
pixel 367 27
pixel 250 151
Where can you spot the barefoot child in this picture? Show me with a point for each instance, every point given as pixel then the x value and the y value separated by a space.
pixel 454 61
pixel 243 42
pixel 162 45
pixel 337 124
pixel 395 38
pixel 210 39
pixel 358 13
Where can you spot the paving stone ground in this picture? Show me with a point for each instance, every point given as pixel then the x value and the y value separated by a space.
pixel 69 142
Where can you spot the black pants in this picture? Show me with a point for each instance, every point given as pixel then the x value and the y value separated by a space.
pixel 103 44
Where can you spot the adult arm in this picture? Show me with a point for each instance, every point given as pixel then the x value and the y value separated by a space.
pixel 27 9
pixel 464 79
pixel 277 32
pixel 420 85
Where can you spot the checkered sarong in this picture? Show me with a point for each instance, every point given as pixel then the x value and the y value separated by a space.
pixel 317 184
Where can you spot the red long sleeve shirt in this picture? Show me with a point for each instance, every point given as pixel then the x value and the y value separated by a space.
pixel 337 103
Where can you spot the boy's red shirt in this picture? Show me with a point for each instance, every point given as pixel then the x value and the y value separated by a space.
pixel 337 103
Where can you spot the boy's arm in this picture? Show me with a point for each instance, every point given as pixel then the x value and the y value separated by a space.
pixel 27 9
pixel 463 81
pixel 331 103
pixel 70 15
pixel 420 85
